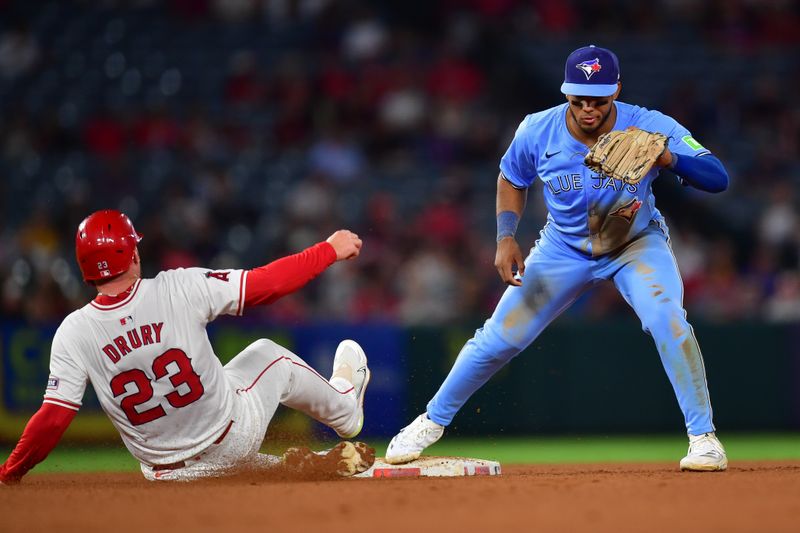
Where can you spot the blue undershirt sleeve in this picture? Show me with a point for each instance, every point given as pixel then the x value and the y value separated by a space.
pixel 705 172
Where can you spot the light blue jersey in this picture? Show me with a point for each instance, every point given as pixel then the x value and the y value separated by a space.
pixel 586 211
pixel 597 229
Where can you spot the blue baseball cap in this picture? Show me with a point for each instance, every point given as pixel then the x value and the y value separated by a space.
pixel 591 71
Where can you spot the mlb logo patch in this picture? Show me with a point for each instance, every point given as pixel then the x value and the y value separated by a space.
pixel 52 383
pixel 124 321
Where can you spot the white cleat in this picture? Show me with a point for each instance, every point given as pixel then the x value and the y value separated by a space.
pixel 350 363
pixel 705 454
pixel 412 439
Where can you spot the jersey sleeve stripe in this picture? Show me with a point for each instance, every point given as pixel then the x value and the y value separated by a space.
pixel 62 403
pixel 242 285
pixel 512 183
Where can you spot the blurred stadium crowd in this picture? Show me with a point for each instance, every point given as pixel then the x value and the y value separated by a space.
pixel 236 131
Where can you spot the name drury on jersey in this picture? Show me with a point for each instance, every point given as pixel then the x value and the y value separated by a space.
pixel 133 338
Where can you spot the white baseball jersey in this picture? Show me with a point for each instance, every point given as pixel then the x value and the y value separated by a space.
pixel 150 362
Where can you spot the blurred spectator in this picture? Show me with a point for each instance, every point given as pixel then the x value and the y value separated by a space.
pixel 733 24
pixel 375 300
pixel 46 304
pixel 38 240
pixel 202 140
pixel 19 52
pixel 310 201
pixel 106 135
pixel 443 224
pixel 336 156
pixel 365 37
pixel 235 10
pixel 778 21
pixel 691 254
pixel 293 97
pixel 156 130
pixel 721 294
pixel 18 138
pixel 558 17
pixel 428 283
pixel 403 108
pixel 784 305
pixel 454 78
pixel 244 85
pixel 779 221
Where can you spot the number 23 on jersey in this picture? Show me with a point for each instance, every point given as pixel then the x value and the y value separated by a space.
pixel 144 388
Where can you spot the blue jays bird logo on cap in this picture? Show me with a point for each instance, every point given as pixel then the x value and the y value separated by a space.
pixel 590 67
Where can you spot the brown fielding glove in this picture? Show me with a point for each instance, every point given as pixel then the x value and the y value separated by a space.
pixel 626 155
pixel 343 460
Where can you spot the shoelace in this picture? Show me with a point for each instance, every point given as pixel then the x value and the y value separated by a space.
pixel 705 446
pixel 422 435
pixel 418 436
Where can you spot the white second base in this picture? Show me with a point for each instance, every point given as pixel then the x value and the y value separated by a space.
pixel 434 467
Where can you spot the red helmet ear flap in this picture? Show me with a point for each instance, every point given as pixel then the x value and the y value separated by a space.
pixel 104 244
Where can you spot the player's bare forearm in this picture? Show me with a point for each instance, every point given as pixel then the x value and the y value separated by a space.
pixel 510 205
pixel 510 198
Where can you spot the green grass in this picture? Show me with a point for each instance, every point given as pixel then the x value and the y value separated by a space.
pixel 88 459
pixel 596 449
pixel 574 449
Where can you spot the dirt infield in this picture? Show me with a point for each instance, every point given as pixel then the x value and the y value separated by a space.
pixel 756 496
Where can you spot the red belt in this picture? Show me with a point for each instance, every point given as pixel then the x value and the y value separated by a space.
pixel 181 464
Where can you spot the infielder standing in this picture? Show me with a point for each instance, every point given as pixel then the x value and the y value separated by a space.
pixel 597 229
pixel 142 343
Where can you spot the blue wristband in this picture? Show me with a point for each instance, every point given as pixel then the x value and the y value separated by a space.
pixel 507 223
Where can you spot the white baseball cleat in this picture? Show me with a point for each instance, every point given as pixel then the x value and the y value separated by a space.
pixel 705 454
pixel 350 363
pixel 412 439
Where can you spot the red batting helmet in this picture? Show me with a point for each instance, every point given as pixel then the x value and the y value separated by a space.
pixel 104 244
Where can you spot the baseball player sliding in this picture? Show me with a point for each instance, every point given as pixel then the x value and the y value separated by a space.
pixel 142 343
pixel 602 225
